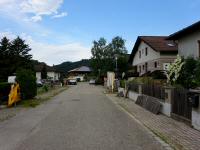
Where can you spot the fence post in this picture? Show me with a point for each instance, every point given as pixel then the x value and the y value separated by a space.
pixel 168 100
pixel 169 94
pixel 140 88
pixel 196 111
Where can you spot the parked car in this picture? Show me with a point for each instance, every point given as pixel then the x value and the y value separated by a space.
pixel 92 81
pixel 72 82
pixel 39 83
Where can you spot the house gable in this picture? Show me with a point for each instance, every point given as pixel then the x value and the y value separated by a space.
pixel 151 54
pixel 187 40
pixel 155 43
pixel 189 45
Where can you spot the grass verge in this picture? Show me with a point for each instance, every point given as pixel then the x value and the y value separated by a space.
pixel 41 98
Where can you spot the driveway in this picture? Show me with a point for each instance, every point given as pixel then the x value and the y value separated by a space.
pixel 80 118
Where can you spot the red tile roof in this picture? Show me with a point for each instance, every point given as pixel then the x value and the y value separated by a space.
pixel 157 43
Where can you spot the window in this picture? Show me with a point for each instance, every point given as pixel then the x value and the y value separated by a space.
pixel 140 69
pixel 146 67
pixel 199 47
pixel 155 64
pixel 146 51
pixel 143 67
pixel 139 54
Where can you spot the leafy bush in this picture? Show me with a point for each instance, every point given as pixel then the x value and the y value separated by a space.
pixel 27 82
pixel 99 81
pixel 187 76
pixel 197 73
pixel 45 88
pixel 186 73
pixel 122 83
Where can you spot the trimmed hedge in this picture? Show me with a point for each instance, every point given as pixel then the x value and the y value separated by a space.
pixel 122 83
pixel 27 83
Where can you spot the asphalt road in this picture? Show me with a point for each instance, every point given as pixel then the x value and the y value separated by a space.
pixel 81 118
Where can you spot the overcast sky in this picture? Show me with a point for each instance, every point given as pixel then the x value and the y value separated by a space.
pixel 63 30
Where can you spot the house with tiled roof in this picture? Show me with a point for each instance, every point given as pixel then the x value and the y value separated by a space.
pixel 188 40
pixel 52 73
pixel 151 53
pixel 79 73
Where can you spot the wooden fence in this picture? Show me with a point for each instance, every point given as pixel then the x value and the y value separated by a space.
pixel 154 90
pixel 181 106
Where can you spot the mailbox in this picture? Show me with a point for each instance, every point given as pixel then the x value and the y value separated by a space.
pixel 194 99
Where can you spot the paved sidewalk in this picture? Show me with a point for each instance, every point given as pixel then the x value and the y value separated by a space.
pixel 177 134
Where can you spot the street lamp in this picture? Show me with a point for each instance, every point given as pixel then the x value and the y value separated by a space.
pixel 116 58
pixel 116 67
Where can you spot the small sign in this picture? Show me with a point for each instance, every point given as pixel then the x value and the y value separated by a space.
pixel 11 79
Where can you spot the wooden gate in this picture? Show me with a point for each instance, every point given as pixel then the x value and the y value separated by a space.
pixel 181 106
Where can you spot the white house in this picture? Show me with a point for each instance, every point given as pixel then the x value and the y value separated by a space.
pixel 152 53
pixel 52 73
pixel 79 73
pixel 188 40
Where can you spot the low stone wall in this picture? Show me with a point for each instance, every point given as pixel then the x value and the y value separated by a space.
pixel 196 117
pixel 133 95
pixel 166 107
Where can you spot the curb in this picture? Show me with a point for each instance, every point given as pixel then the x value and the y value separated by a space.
pixel 156 137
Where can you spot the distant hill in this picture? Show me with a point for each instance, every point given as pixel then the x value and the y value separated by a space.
pixel 67 66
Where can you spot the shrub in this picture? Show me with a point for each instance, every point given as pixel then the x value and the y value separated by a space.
pixel 197 73
pixel 27 82
pixel 45 88
pixel 187 77
pixel 99 81
pixel 122 83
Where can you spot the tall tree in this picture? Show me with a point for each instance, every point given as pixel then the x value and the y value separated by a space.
pixel 19 54
pixel 4 58
pixel 14 55
pixel 103 55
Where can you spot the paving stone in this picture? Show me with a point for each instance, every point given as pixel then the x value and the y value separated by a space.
pixel 176 133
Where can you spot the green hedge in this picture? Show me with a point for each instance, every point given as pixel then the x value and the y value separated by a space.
pixel 122 83
pixel 27 83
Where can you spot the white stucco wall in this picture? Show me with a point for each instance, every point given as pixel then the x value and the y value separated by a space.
pixel 53 75
pixel 196 117
pixel 166 109
pixel 38 75
pixel 152 54
pixel 188 45
pixel 133 95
